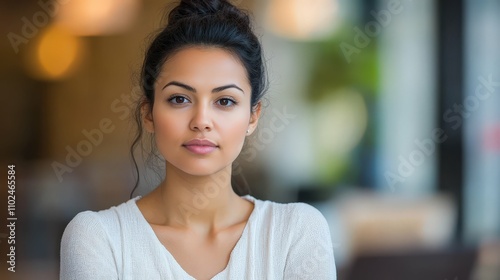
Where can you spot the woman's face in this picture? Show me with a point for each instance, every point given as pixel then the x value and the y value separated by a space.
pixel 202 93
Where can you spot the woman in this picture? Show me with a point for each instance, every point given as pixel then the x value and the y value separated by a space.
pixel 203 79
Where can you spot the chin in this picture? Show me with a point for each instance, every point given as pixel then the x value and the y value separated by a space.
pixel 201 172
pixel 199 168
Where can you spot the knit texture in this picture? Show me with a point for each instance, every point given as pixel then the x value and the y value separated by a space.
pixel 279 241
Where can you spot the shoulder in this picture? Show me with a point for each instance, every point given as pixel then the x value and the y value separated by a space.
pixel 304 211
pixel 91 224
pixel 298 211
pixel 291 216
pixel 91 245
pixel 301 235
pixel 82 221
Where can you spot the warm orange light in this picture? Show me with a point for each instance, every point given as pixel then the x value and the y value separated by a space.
pixel 97 17
pixel 54 54
pixel 301 19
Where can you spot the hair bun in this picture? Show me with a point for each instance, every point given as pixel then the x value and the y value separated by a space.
pixel 201 8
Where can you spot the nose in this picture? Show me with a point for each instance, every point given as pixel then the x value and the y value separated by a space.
pixel 201 119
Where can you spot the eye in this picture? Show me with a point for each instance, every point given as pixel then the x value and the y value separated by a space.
pixel 226 102
pixel 178 99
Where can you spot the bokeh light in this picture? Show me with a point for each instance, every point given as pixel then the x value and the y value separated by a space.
pixel 302 19
pixel 54 54
pixel 98 17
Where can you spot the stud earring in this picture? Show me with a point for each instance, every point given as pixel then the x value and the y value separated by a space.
pixel 248 131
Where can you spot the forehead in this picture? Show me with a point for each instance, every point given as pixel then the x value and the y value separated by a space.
pixel 199 66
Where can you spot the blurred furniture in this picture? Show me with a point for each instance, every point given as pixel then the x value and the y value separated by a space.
pixel 446 264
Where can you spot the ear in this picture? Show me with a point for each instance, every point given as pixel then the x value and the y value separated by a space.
pixel 254 117
pixel 147 117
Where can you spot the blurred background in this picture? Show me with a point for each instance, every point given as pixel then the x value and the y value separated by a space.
pixel 382 114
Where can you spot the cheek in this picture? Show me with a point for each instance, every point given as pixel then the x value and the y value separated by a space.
pixel 166 123
pixel 233 130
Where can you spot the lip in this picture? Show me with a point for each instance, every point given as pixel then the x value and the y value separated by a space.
pixel 200 146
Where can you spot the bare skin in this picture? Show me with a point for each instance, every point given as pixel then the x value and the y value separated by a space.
pixel 202 252
pixel 194 212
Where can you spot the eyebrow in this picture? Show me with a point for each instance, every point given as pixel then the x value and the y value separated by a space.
pixel 189 88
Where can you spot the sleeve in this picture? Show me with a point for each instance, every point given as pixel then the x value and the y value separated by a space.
pixel 310 254
pixel 86 251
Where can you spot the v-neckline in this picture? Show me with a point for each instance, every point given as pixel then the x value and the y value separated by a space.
pixel 172 258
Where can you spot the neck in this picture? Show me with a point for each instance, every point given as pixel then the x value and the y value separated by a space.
pixel 202 202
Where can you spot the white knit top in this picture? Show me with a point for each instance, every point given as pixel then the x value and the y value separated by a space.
pixel 279 241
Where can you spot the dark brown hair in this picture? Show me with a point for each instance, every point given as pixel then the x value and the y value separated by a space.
pixel 215 23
